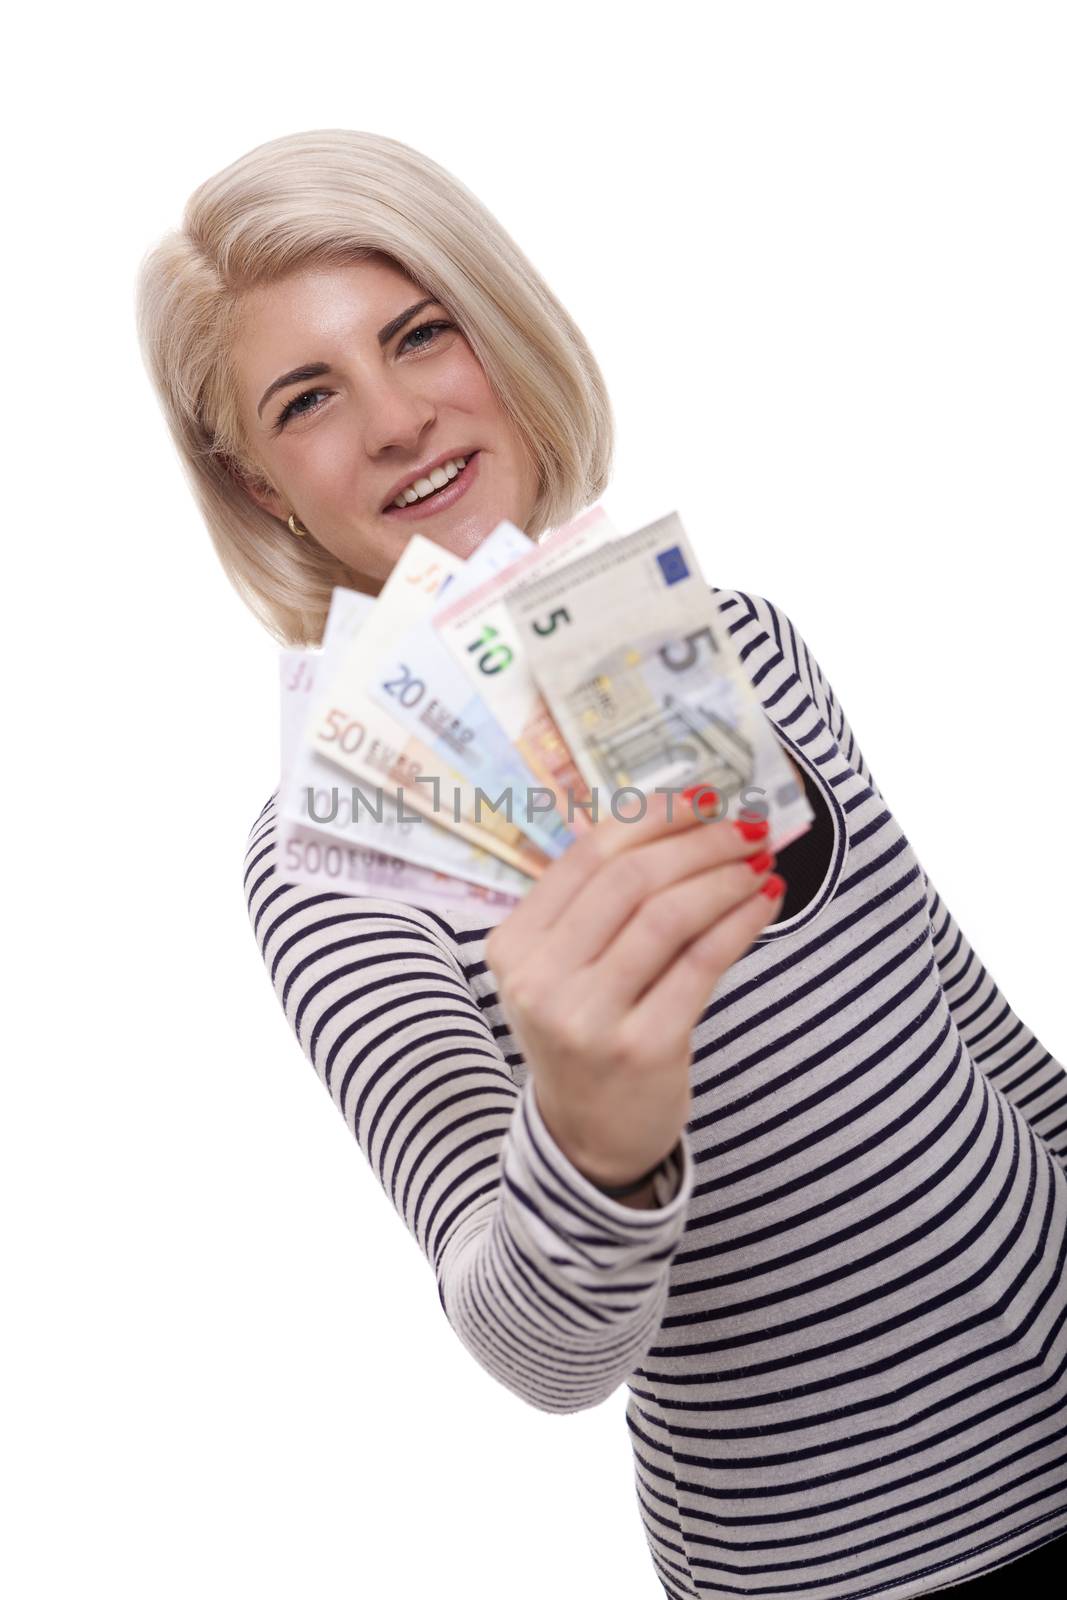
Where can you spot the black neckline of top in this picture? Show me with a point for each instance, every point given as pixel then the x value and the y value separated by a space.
pixel 828 836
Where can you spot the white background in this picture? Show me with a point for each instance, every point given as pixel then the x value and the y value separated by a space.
pixel 820 252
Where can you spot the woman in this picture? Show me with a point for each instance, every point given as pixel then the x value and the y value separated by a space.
pixel 793 1169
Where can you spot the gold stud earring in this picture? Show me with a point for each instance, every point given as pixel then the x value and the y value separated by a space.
pixel 300 531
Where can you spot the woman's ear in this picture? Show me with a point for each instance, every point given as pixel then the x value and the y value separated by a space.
pixel 258 491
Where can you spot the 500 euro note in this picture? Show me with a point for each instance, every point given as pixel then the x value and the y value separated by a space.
pixel 629 652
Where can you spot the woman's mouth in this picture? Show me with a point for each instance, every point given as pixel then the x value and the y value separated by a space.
pixel 440 499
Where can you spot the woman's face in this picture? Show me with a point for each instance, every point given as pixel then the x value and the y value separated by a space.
pixel 398 397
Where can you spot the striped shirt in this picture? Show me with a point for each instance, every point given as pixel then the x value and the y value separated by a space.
pixel 842 1329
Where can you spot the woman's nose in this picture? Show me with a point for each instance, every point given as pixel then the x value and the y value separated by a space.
pixel 397 415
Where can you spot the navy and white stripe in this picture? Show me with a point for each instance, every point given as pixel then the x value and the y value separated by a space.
pixel 843 1329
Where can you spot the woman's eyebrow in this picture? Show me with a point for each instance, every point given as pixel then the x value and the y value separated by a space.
pixel 320 369
pixel 315 369
pixel 386 333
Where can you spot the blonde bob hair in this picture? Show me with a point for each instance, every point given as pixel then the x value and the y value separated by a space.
pixel 331 196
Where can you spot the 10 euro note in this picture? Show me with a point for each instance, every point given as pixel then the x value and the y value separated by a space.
pixel 628 649
pixel 478 631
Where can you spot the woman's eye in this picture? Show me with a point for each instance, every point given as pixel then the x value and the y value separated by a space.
pixel 290 410
pixel 425 327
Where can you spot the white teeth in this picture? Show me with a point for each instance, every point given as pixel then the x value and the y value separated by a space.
pixel 436 480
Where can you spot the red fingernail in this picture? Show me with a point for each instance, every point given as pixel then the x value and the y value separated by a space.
pixel 753 830
pixel 709 799
pixel 761 862
pixel 773 887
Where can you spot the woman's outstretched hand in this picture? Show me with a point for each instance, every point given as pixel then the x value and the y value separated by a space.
pixel 604 967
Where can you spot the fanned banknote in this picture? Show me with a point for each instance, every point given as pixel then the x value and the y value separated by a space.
pixel 586 664
pixel 304 855
pixel 628 649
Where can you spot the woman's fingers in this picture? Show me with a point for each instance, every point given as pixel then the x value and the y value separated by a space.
pixel 662 926
pixel 635 885
pixel 552 894
pixel 681 994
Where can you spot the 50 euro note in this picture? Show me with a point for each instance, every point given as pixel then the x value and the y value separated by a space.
pixel 628 649
pixel 307 780
pixel 351 731
pixel 478 632
pixel 336 842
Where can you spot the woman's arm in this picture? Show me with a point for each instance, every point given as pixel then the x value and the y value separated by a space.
pixel 999 1043
pixel 554 1288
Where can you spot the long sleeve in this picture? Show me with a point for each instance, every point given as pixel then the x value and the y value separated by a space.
pixel 999 1043
pixel 556 1290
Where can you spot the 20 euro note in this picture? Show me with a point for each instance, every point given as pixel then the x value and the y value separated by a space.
pixel 629 652
pixel 418 682
pixel 350 730
pixel 480 635
pixel 371 845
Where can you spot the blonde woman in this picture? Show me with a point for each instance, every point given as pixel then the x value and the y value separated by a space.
pixel 784 1163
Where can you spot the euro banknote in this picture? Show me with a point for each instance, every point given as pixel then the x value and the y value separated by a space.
pixel 628 649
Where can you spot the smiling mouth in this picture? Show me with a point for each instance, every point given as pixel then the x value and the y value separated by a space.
pixel 413 505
